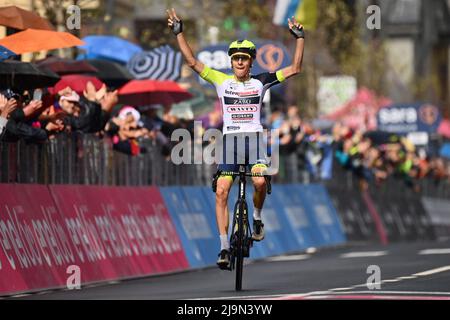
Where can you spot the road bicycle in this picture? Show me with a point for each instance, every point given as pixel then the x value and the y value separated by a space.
pixel 241 236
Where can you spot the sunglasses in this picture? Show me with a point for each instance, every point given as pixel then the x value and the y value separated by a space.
pixel 239 57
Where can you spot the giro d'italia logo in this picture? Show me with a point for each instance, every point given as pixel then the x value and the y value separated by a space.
pixel 428 114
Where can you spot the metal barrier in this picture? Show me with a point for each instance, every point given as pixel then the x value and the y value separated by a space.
pixel 89 159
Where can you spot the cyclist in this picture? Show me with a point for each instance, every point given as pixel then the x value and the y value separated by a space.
pixel 237 90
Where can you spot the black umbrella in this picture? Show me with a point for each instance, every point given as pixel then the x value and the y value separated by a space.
pixel 64 66
pixel 19 76
pixel 111 73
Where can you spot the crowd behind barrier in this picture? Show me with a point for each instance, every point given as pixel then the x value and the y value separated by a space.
pixel 87 137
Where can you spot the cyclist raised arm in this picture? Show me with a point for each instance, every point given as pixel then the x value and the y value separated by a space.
pixel 176 25
pixel 296 30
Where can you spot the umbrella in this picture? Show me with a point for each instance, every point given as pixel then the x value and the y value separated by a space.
pixel 444 128
pixel 63 66
pixel 145 92
pixel 109 48
pixel 445 150
pixel 17 18
pixel 113 74
pixel 18 75
pixel 5 53
pixel 32 40
pixel 162 63
pixel 76 82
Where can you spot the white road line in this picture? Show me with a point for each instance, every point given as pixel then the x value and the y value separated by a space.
pixel 393 292
pixel 364 254
pixel 21 295
pixel 432 271
pixel 435 251
pixel 289 258
pixel 406 277
pixel 342 289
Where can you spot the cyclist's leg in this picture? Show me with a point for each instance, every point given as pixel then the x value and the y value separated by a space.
pixel 223 188
pixel 260 186
pixel 258 201
pixel 222 218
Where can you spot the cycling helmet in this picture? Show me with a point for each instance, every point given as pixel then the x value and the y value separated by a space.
pixel 242 46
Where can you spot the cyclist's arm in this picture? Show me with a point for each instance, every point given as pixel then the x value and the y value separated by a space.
pixel 176 25
pixel 186 50
pixel 296 65
pixel 297 30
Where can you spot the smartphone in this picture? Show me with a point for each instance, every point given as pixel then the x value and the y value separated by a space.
pixel 37 94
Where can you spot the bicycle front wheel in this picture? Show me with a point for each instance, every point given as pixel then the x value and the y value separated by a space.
pixel 241 234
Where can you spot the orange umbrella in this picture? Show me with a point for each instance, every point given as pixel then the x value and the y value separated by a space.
pixel 32 40
pixel 17 18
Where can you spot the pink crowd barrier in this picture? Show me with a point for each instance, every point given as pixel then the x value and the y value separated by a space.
pixel 107 233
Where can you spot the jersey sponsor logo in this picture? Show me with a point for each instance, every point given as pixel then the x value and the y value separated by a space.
pixel 241 101
pixel 242 116
pixel 231 128
pixel 242 109
pixel 242 93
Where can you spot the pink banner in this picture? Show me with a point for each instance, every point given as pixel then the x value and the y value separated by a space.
pixel 106 233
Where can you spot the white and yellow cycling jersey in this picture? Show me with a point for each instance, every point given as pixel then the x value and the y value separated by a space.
pixel 241 101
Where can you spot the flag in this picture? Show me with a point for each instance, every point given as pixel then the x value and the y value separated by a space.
pixel 304 11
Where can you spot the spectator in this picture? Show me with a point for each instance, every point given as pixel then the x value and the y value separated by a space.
pixel 6 107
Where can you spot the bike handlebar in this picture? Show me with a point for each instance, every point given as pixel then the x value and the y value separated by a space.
pixel 247 174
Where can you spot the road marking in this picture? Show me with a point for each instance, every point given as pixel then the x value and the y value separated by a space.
pixel 342 289
pixel 289 258
pixel 406 277
pixel 376 297
pixel 364 254
pixel 21 295
pixel 432 271
pixel 435 251
pixel 395 292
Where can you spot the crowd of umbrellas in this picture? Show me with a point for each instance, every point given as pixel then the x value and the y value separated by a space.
pixel 141 77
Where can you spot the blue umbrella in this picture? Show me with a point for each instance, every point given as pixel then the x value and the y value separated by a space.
pixel 5 53
pixel 445 150
pixel 108 48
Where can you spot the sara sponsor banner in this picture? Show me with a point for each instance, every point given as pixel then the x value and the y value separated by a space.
pixel 406 118
pixel 103 233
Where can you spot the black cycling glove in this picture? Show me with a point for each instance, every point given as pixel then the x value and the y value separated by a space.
pixel 177 26
pixel 298 32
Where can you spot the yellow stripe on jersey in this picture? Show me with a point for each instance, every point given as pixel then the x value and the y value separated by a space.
pixel 213 76
pixel 280 76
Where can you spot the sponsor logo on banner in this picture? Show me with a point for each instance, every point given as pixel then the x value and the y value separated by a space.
pixel 428 114
pixel 270 57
